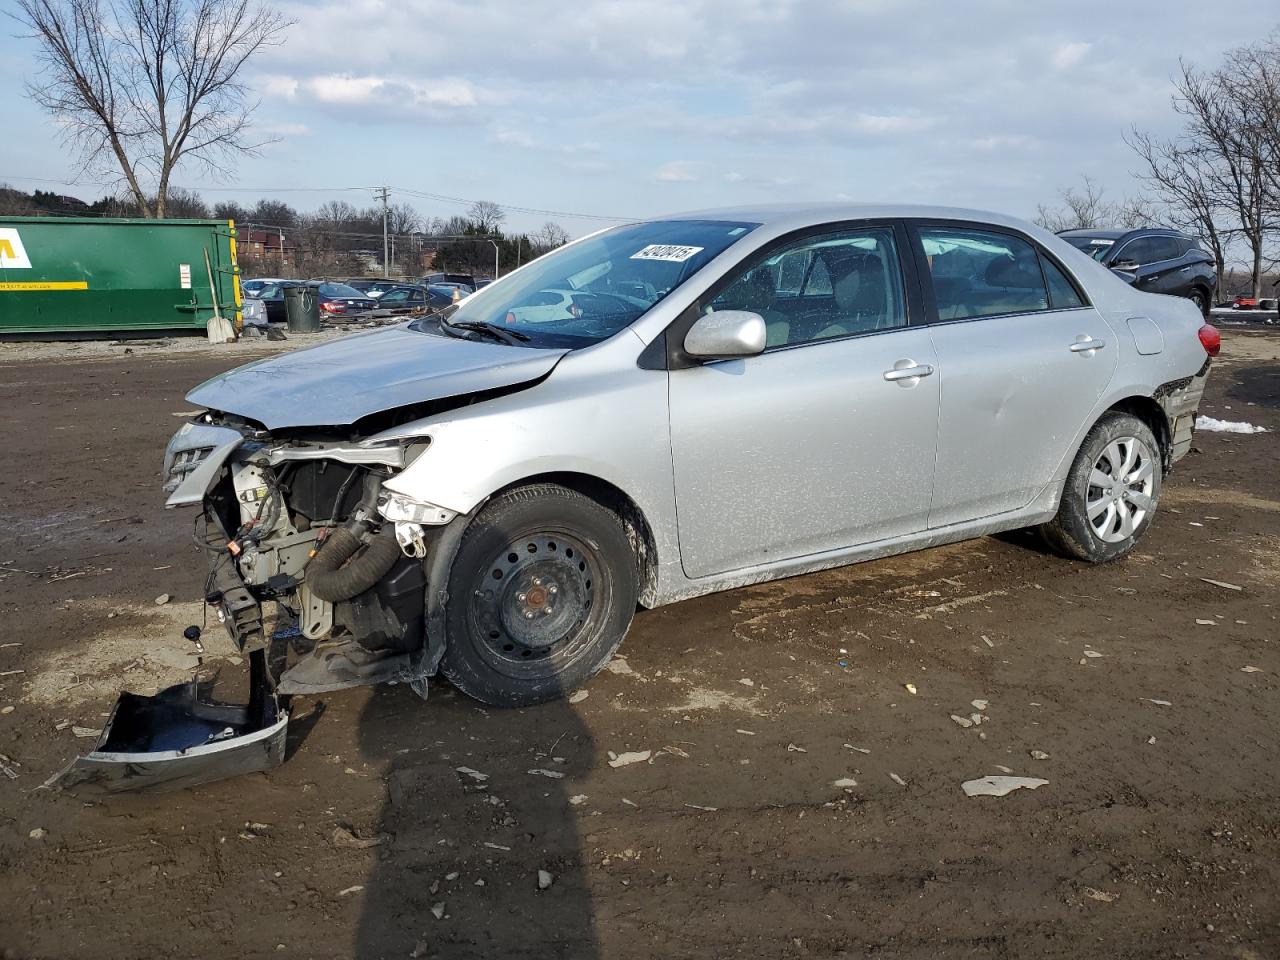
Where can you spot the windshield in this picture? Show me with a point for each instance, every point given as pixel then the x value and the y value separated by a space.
pixel 338 290
pixel 1096 247
pixel 588 291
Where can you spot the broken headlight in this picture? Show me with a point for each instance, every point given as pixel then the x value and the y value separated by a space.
pixel 398 507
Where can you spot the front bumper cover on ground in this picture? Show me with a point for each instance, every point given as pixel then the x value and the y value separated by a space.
pixel 178 738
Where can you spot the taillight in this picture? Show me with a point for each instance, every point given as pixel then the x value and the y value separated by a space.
pixel 329 306
pixel 1210 339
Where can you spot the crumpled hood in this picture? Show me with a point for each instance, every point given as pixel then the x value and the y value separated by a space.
pixel 337 383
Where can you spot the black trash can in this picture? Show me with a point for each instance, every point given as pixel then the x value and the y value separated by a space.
pixel 302 309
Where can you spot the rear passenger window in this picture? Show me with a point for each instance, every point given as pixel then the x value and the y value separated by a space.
pixel 1167 248
pixel 980 274
pixel 1062 295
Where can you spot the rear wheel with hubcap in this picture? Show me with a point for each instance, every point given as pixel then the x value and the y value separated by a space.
pixel 541 593
pixel 1111 491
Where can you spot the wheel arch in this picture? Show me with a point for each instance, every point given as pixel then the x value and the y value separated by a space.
pixel 1149 411
pixel 613 498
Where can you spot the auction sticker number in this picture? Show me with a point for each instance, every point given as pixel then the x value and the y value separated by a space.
pixel 666 251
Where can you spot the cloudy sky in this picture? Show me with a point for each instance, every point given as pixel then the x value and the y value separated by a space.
pixel 625 109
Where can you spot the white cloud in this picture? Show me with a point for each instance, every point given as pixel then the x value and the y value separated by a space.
pixel 514 138
pixel 677 171
pixel 1004 141
pixel 343 89
pixel 877 124
pixel 276 85
pixel 283 129
pixel 1067 55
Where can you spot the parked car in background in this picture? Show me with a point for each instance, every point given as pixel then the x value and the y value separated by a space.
pixel 341 300
pixel 372 286
pixel 402 299
pixel 458 279
pixel 1154 260
pixel 1243 302
pixel 270 293
pixel 482 282
pixel 253 312
pixel 439 297
pixel 251 288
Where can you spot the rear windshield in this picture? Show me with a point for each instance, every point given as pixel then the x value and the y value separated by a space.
pixel 588 291
pixel 339 290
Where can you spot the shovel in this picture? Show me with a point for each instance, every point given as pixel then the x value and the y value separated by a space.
pixel 219 329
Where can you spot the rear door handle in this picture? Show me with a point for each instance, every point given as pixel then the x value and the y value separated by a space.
pixel 1087 344
pixel 910 372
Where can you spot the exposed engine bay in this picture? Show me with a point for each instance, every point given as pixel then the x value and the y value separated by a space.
pixel 317 572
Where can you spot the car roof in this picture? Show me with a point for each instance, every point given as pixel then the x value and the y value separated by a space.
pixel 1099 234
pixel 816 213
pixel 1117 234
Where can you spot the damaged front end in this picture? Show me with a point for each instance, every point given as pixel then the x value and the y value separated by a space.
pixel 304 523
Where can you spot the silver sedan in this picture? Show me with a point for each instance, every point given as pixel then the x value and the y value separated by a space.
pixel 675 407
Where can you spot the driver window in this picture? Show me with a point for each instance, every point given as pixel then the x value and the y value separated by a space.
pixel 822 288
pixel 1141 251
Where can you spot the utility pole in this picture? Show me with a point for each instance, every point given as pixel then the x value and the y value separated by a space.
pixel 495 258
pixel 386 266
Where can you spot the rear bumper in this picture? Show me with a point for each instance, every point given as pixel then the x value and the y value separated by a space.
pixel 1180 400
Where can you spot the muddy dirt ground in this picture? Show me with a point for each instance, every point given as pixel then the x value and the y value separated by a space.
pixel 1152 692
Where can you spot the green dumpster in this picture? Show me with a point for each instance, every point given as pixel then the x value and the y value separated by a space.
pixel 301 309
pixel 106 274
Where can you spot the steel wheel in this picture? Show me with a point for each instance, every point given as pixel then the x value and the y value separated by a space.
pixel 1120 489
pixel 537 608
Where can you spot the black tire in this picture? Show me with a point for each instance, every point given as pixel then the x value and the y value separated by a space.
pixel 1100 539
pixel 1201 300
pixel 541 593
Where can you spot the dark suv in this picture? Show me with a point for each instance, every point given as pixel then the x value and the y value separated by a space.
pixel 1153 260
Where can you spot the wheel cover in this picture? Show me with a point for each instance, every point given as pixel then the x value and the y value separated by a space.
pixel 1120 488
pixel 539 604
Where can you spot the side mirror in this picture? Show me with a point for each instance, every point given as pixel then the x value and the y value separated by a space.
pixel 725 334
pixel 1128 266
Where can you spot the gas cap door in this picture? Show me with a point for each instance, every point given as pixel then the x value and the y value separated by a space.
pixel 1147 336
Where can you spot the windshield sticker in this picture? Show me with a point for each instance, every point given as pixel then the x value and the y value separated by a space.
pixel 666 251
pixel 1101 243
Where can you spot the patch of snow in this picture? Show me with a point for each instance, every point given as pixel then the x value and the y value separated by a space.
pixel 1227 426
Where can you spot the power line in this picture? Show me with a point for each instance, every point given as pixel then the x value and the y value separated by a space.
pixel 407 191
pixel 510 207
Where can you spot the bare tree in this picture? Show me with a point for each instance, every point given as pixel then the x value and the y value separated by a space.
pixel 1084 209
pixel 1178 174
pixel 1223 131
pixel 273 213
pixel 487 215
pixel 403 218
pixel 551 235
pixel 146 85
pixel 334 215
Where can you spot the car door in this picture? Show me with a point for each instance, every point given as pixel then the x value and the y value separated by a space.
pixel 825 440
pixel 394 301
pixel 1022 360
pixel 1159 262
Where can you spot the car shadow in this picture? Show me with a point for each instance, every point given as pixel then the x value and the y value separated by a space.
pixel 477 803
pixel 1028 538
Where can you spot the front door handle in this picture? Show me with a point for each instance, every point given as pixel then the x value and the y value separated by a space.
pixel 1087 344
pixel 908 370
